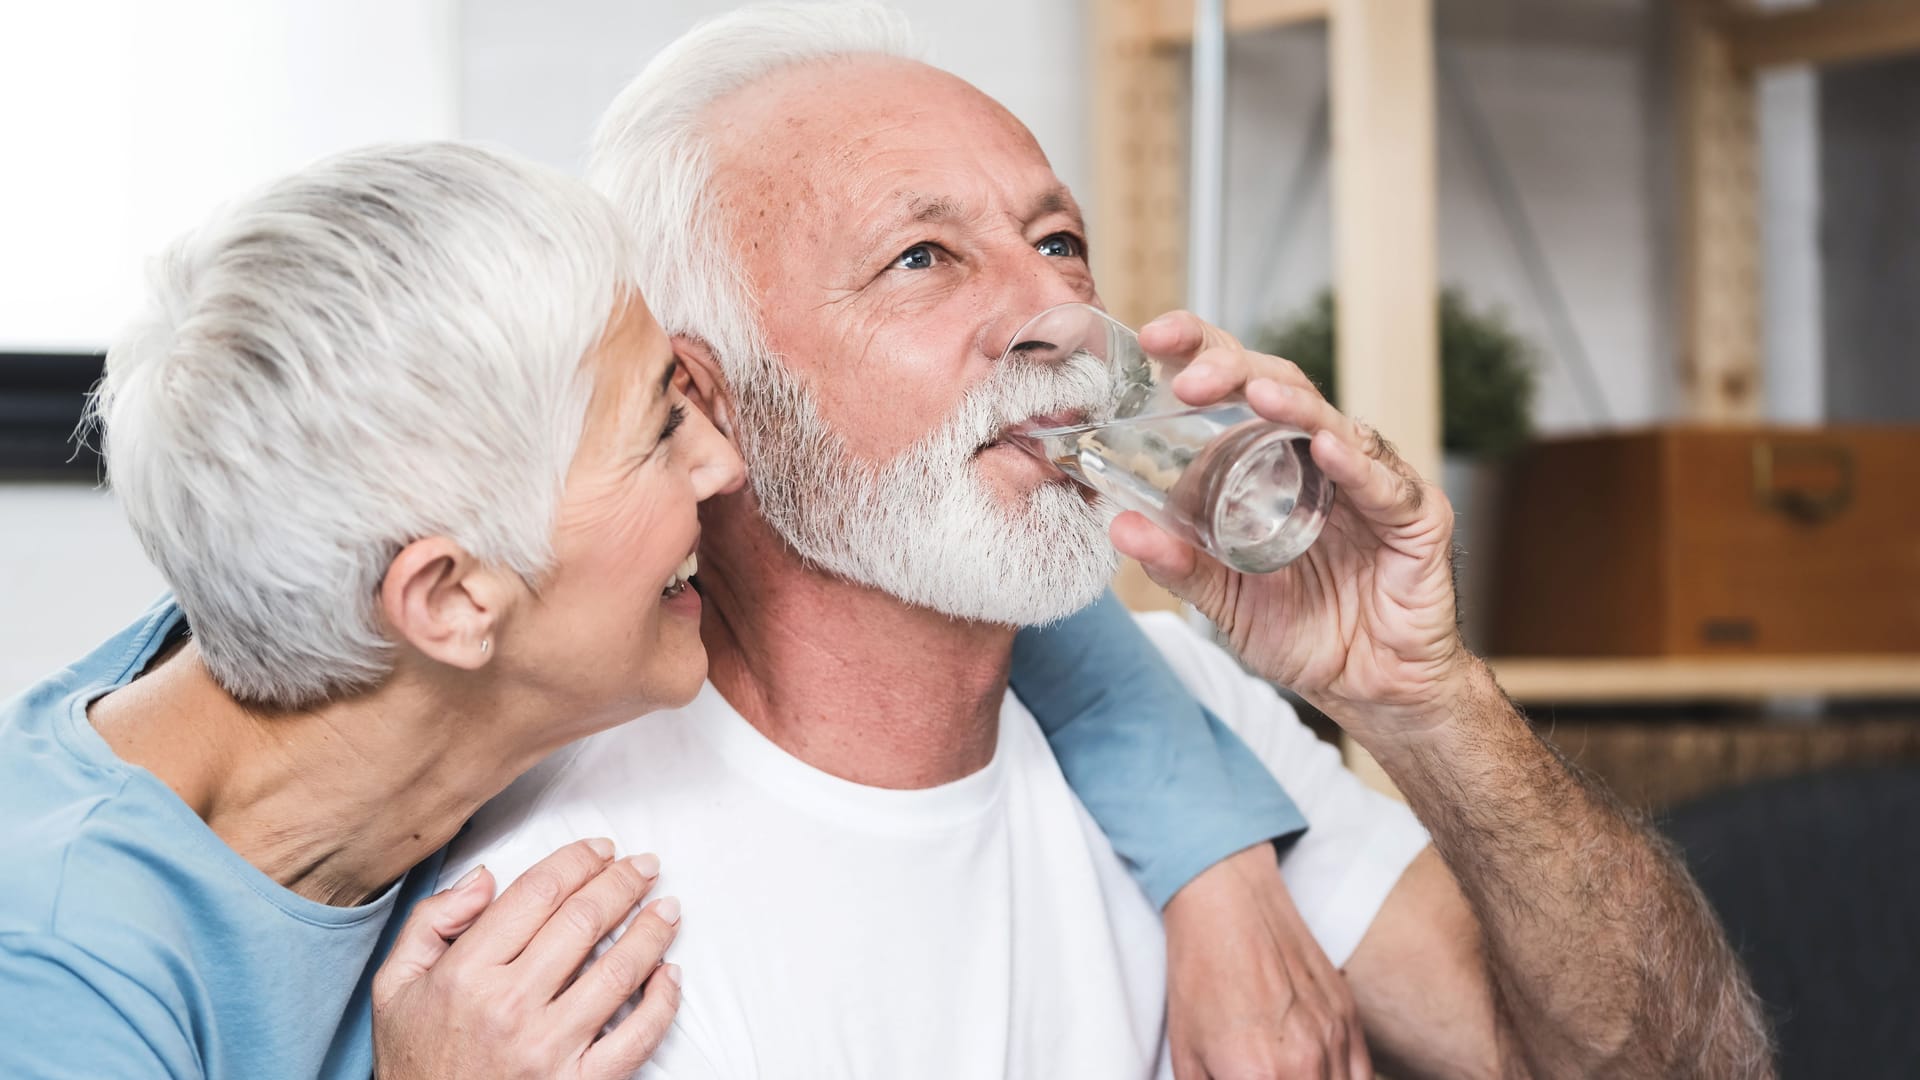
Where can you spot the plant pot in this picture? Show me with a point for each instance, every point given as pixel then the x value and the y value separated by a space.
pixel 1476 487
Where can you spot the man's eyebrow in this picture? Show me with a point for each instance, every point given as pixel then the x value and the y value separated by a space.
pixel 935 208
pixel 1055 201
pixel 913 208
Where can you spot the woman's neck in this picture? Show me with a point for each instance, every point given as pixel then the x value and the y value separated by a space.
pixel 334 803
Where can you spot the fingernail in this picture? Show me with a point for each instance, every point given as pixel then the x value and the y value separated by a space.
pixel 1200 371
pixel 672 972
pixel 648 865
pixel 602 847
pixel 668 908
pixel 467 879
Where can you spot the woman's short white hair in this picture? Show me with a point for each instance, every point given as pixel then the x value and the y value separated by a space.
pixel 382 347
pixel 651 155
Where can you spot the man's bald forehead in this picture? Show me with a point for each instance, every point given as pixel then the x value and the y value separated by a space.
pixel 838 96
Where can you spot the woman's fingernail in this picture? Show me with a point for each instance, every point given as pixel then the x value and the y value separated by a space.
pixel 668 908
pixel 672 972
pixel 602 847
pixel 468 878
pixel 1200 371
pixel 648 865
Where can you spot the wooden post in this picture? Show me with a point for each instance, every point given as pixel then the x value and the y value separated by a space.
pixel 1137 237
pixel 1384 229
pixel 1385 236
pixel 1138 234
pixel 1720 360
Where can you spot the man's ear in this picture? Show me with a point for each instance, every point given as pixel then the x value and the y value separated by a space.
pixel 443 602
pixel 704 383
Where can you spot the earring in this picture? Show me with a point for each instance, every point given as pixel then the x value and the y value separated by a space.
pixel 485 644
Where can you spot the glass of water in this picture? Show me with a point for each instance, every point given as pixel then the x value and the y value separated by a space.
pixel 1243 489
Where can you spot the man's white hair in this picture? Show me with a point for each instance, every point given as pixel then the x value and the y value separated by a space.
pixel 651 155
pixel 382 347
pixel 921 527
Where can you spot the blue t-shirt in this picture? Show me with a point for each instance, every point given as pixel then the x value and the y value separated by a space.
pixel 1173 787
pixel 133 942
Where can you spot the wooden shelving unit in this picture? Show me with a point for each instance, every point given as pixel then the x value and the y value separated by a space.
pixel 1629 681
pixel 1381 68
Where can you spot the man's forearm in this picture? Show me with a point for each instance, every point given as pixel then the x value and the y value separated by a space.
pixel 1604 955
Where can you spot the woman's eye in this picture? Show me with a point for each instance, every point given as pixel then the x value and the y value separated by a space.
pixel 675 417
pixel 1060 246
pixel 917 257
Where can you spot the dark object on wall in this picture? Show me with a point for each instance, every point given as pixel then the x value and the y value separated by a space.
pixel 42 398
pixel 1817 880
pixel 1690 541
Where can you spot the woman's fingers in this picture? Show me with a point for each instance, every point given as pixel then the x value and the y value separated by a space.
pixel 619 1053
pixel 502 932
pixel 428 932
pixel 617 974
pixel 581 921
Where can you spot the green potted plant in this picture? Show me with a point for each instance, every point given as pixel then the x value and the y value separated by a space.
pixel 1486 401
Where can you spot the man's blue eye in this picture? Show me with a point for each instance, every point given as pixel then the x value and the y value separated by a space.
pixel 1060 246
pixel 917 257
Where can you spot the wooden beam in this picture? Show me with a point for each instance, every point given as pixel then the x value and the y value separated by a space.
pixel 1385 238
pixel 1824 34
pixel 1620 681
pixel 1137 236
pixel 1384 221
pixel 1173 19
pixel 1719 222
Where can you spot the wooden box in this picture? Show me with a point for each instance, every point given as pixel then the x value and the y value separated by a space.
pixel 1693 541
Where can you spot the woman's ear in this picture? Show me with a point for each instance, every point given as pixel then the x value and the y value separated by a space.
pixel 444 603
pixel 704 384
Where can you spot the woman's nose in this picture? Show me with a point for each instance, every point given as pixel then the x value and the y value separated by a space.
pixel 717 468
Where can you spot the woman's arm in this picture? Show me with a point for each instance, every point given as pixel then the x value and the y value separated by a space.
pixel 1196 817
pixel 1174 790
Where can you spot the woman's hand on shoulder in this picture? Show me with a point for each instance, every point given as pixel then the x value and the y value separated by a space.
pixel 483 987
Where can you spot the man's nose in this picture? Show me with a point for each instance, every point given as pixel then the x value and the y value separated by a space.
pixel 1016 309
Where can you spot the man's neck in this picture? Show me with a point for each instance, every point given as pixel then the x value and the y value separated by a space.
pixel 335 803
pixel 844 677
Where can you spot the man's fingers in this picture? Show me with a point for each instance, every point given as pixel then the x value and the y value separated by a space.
pixel 1359 1062
pixel 1179 336
pixel 622 1051
pixel 1383 494
pixel 1169 561
pixel 590 914
pixel 504 929
pixel 424 938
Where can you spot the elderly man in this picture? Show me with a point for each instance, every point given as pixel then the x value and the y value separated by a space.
pixel 884 872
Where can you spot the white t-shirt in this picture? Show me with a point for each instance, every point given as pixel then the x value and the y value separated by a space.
pixel 981 928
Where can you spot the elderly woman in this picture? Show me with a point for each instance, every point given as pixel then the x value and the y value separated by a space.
pixel 411 453
pixel 417 464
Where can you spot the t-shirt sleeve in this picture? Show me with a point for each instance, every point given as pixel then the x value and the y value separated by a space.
pixel 1342 869
pixel 71 1017
pixel 1173 788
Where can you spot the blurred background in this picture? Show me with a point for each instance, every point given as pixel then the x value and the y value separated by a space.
pixel 1640 280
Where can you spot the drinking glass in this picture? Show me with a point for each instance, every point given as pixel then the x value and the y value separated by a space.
pixel 1241 488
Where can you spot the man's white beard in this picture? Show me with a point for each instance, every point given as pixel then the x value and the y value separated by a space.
pixel 924 527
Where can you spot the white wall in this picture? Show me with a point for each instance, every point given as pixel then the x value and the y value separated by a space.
pixel 73 574
pixel 1571 120
pixel 122 123
pixel 126 122
pixel 536 76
